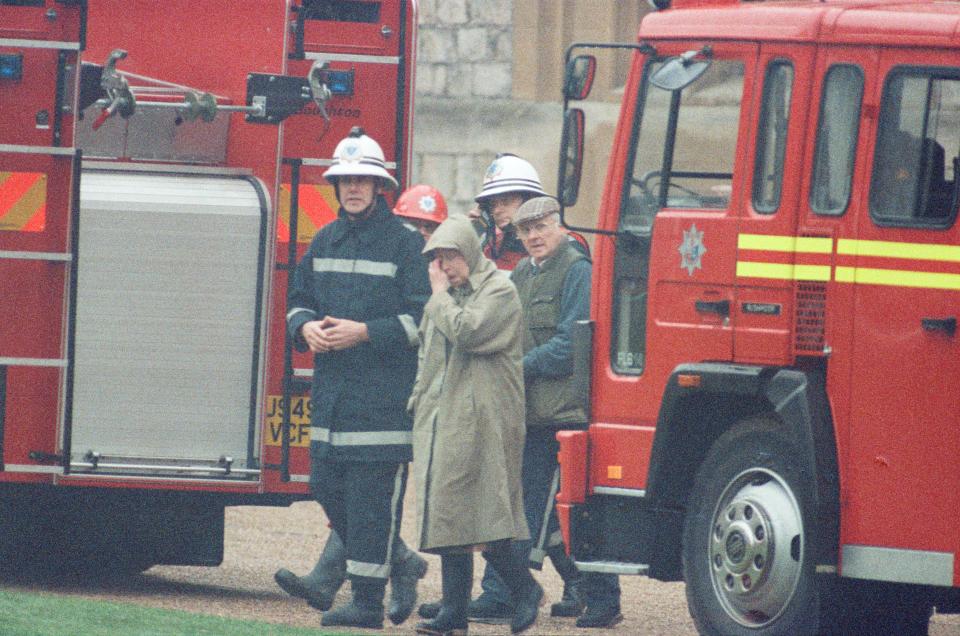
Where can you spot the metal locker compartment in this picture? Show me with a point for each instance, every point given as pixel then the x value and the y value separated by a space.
pixel 166 372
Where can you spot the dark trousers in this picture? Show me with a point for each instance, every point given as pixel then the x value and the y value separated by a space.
pixel 364 503
pixel 540 472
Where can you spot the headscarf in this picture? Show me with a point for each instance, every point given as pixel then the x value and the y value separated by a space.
pixel 457 233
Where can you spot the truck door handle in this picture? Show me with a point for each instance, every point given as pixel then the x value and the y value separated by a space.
pixel 721 307
pixel 946 325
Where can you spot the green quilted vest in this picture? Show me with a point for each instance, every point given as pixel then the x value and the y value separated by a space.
pixel 549 400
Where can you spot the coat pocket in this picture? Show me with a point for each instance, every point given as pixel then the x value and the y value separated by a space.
pixel 542 313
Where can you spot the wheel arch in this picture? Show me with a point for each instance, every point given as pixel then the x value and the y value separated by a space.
pixel 691 419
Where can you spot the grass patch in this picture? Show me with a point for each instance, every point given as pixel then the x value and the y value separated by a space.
pixel 49 615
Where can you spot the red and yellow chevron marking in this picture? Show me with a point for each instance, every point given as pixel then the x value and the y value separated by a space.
pixel 317 204
pixel 23 201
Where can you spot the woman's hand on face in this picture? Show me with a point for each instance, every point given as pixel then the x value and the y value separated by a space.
pixel 438 280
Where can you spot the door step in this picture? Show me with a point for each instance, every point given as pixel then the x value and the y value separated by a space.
pixel 613 567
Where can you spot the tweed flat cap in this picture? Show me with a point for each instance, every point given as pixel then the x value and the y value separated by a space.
pixel 536 208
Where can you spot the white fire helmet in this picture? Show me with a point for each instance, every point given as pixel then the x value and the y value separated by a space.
pixel 359 155
pixel 510 173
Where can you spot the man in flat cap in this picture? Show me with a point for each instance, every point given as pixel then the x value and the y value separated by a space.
pixel 554 287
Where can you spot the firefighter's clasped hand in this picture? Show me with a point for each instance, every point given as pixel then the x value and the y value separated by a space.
pixel 333 334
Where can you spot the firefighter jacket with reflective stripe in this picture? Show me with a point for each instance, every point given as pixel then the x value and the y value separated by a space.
pixel 370 271
pixel 554 295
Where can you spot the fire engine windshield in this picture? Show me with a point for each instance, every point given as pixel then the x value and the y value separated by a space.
pixel 682 152
pixel 685 142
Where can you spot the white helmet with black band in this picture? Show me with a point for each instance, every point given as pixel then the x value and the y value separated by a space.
pixel 359 155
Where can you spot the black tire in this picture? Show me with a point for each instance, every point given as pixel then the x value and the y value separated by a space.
pixel 747 555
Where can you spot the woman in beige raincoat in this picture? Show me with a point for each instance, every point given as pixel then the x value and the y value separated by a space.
pixel 468 429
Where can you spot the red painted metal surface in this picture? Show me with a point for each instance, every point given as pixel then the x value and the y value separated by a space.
pixel 32 310
pixel 211 49
pixel 891 384
pixel 574 450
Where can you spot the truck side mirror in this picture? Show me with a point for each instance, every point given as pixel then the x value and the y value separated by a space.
pixel 578 77
pixel 571 157
pixel 679 72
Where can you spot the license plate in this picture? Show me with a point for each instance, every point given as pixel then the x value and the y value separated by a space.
pixel 300 407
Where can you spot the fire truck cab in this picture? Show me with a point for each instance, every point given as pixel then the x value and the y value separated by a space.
pixel 772 361
pixel 160 174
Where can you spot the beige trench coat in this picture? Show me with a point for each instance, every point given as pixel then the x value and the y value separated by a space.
pixel 468 429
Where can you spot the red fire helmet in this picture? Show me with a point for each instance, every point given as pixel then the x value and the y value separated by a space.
pixel 421 202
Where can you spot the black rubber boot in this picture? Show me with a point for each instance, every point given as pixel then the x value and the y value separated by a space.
pixel 572 603
pixel 484 610
pixel 527 593
pixel 320 586
pixel 406 570
pixel 457 580
pixel 600 617
pixel 364 610
pixel 429 610
pixel 354 614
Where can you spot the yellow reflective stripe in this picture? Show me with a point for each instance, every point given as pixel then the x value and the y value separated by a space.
pixel 410 328
pixel 814 245
pixel 811 272
pixel 360 438
pixel 369 570
pixel 845 274
pixel 890 249
pixel 775 243
pixel 897 278
pixel 355 266
pixel 783 271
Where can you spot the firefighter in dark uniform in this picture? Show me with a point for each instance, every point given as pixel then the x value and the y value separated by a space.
pixel 507 183
pixel 355 301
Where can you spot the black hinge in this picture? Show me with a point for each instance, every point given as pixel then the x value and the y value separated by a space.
pixel 721 307
pixel 44 457
pixel 946 325
pixel 281 95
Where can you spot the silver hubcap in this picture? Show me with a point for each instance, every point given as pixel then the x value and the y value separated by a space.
pixel 756 547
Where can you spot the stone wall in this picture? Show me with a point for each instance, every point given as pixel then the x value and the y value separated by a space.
pixel 479 93
pixel 464 114
pixel 465 48
pixel 455 141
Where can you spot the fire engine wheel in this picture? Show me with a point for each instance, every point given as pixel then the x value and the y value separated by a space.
pixel 747 558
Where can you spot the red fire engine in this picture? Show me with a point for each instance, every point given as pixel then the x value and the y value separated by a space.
pixel 160 173
pixel 772 364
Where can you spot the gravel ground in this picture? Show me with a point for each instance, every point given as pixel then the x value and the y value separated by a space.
pixel 259 540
